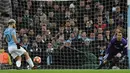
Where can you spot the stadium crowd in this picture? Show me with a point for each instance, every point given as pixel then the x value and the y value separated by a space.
pixel 67 34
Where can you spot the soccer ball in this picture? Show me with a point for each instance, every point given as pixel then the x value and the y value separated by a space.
pixel 115 67
pixel 37 59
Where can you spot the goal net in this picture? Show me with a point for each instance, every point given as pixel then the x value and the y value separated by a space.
pixel 65 34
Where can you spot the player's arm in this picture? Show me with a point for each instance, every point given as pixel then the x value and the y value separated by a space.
pixel 124 48
pixel 124 54
pixel 108 50
pixel 15 39
pixel 124 51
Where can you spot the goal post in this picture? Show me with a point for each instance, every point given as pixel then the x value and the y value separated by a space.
pixel 128 20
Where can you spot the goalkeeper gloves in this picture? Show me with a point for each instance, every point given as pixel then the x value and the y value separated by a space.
pixel 122 59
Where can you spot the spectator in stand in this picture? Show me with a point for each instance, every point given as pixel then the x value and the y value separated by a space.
pixel 67 14
pixel 67 30
pixel 31 35
pixel 72 36
pixel 48 35
pixel 118 16
pixel 29 4
pixel 20 35
pixel 56 8
pixel 87 24
pixel 111 24
pixel 22 32
pixel 98 9
pixel 62 14
pixel 25 42
pixel 92 36
pixel 73 14
pixel 5 60
pixel 76 31
pixel 51 17
pixel 100 43
pixel 43 29
pixel 59 43
pixel 37 47
pixel 100 31
pixel 26 19
pixel 59 38
pixel 100 23
pixel 72 8
pixel 85 38
pixel 39 17
pixel 81 10
pixel 40 43
pixel 52 25
pixel 66 53
pixel 49 52
pixel 34 50
pixel 107 35
pixel 89 7
pixel 106 17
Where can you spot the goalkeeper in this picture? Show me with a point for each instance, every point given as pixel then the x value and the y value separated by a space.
pixel 116 51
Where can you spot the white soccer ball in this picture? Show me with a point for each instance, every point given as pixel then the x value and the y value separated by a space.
pixel 115 67
pixel 37 59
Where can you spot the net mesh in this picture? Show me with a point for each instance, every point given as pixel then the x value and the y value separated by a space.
pixel 65 34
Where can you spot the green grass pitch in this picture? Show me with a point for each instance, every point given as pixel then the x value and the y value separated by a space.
pixel 65 71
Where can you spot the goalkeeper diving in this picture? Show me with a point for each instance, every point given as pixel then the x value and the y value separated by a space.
pixel 116 51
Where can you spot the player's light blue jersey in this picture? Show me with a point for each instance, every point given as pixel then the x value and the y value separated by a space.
pixel 8 35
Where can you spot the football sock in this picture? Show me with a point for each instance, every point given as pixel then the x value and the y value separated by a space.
pixel 18 63
pixel 30 62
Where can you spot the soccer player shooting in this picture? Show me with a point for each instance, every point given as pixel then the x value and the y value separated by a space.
pixel 116 51
pixel 14 48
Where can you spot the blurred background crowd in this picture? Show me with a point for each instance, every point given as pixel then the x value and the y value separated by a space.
pixel 65 34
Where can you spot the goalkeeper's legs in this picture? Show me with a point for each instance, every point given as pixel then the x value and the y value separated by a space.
pixel 29 60
pixel 111 65
pixel 114 61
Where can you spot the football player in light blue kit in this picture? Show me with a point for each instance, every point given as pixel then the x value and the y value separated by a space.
pixel 14 47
